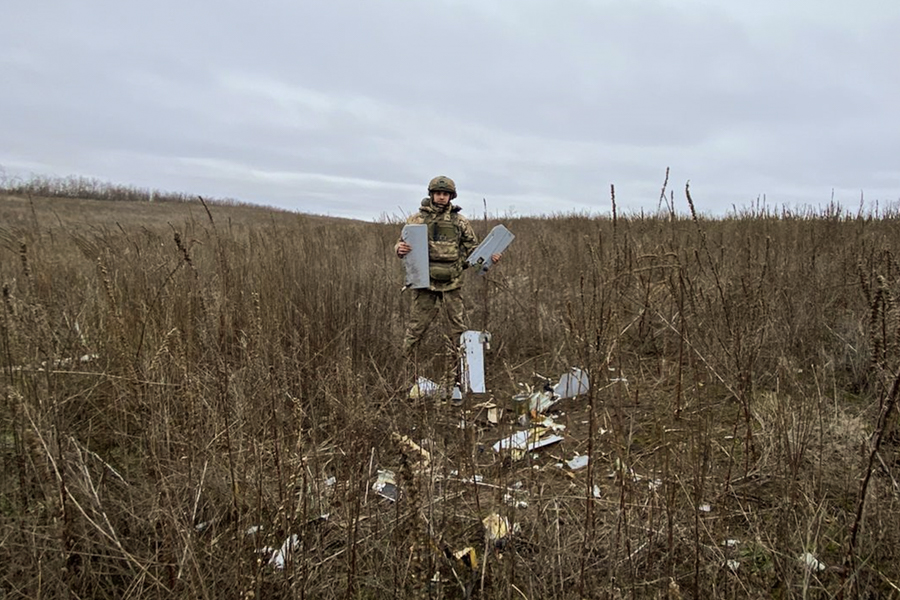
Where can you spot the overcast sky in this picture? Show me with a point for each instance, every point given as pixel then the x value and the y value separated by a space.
pixel 349 108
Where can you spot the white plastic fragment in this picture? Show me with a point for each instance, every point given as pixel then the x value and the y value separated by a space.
pixel 456 394
pixel 514 502
pixel 283 554
pixel 732 564
pixel 424 388
pixel 526 441
pixel 473 345
pixel 596 491
pixel 731 543
pixel 550 424
pixel 540 401
pixel 571 384
pixel 578 462
pixel 386 486
pixel 253 530
pixel 704 508
pixel 812 563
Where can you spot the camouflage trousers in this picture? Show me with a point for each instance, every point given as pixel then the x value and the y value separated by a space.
pixel 426 305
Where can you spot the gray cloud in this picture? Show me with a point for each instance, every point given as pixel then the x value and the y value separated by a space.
pixel 349 108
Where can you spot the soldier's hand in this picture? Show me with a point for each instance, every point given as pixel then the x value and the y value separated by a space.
pixel 403 249
pixel 495 258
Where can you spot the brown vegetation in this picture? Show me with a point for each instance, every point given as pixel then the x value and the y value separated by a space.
pixel 177 374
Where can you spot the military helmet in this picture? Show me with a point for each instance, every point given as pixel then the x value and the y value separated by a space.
pixel 442 183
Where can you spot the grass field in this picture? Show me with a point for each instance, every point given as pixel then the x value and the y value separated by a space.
pixel 187 388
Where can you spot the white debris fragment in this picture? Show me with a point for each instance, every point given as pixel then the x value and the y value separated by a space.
pixel 330 482
pixel 456 394
pixel 514 502
pixel 550 424
pixel 283 554
pixel 493 415
pixel 732 564
pixel 578 462
pixel 386 486
pixel 541 400
pixel 527 440
pixel 424 388
pixel 812 563
pixel 495 242
pixel 655 484
pixel 571 384
pixel 201 527
pixel 596 491
pixel 473 345
pixel 705 508
pixel 730 543
pixel 253 530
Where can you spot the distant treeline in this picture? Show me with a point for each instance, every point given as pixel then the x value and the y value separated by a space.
pixel 96 189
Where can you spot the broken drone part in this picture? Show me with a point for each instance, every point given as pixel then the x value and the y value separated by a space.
pixel 494 243
pixel 416 262
pixel 473 345
pixel 386 486
pixel 540 401
pixel 497 529
pixel 526 441
pixel 424 388
pixel 550 424
pixel 283 554
pixel 571 384
pixel 511 500
pixel 578 462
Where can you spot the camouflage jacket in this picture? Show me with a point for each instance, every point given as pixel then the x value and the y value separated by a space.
pixel 450 240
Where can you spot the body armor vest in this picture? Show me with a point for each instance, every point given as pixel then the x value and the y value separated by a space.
pixel 443 250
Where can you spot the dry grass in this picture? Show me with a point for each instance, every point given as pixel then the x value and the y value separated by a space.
pixel 235 359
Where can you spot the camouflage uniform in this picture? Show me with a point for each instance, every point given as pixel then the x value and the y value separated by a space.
pixel 450 240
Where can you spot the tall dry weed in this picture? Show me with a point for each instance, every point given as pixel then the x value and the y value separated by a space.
pixel 192 391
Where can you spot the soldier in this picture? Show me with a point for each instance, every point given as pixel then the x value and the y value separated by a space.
pixel 450 240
